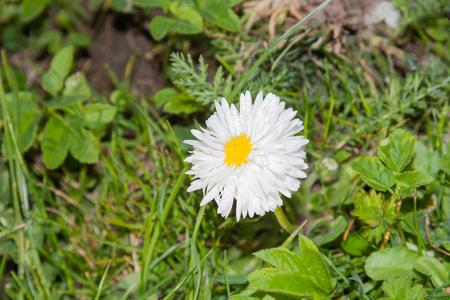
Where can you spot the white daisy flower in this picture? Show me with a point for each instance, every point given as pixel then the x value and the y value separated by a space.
pixel 249 155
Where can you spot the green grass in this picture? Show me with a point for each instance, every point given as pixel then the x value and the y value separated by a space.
pixel 126 228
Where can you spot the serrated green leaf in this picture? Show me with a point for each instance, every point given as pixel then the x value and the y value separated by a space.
pixel 368 206
pixel 444 163
pixel 295 284
pixel 432 267
pixel 98 114
pixel 373 172
pixel 375 233
pixel 333 230
pixel 30 9
pixel 218 12
pixel 425 160
pixel 28 118
pixel 390 213
pixel 53 79
pixel 160 26
pixel 55 143
pixel 83 146
pixel 397 261
pixel 296 275
pixel 400 289
pixel 408 181
pixel 399 151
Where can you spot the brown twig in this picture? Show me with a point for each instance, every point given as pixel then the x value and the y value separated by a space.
pixel 385 240
pixel 427 225
pixel 350 224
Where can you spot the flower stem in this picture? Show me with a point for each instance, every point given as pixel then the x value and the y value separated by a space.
pixel 283 220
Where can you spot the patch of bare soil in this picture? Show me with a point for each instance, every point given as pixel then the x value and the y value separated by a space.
pixel 117 44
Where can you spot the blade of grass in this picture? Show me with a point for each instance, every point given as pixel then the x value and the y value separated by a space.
pixel 185 278
pixel 225 262
pixel 330 111
pixel 266 53
pixel 102 282
pixel 150 244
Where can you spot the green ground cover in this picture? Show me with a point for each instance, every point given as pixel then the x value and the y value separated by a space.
pixel 93 190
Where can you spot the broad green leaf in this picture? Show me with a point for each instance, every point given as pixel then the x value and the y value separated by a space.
pixel 373 172
pixel 356 245
pixel 369 207
pixel 282 258
pixel 408 181
pixel 181 104
pixel 400 289
pixel 84 146
pixel 397 261
pixel 152 3
pixel 425 160
pixel 313 263
pixel 98 114
pixel 399 151
pixel 165 95
pixel 78 39
pixel 77 85
pixel 433 268
pixel 444 163
pixel 63 101
pixel 53 79
pixel 124 6
pixel 244 297
pixel 28 118
pixel 294 284
pixel 160 26
pixel 188 20
pixel 30 9
pixel 55 143
pixel 333 230
pixel 232 279
pixel 218 12
pixel 76 89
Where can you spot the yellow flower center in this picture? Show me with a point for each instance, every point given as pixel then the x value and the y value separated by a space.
pixel 237 150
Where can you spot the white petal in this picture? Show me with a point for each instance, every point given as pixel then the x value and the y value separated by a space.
pixel 274 164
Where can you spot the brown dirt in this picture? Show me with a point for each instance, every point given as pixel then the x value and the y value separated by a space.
pixel 116 45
